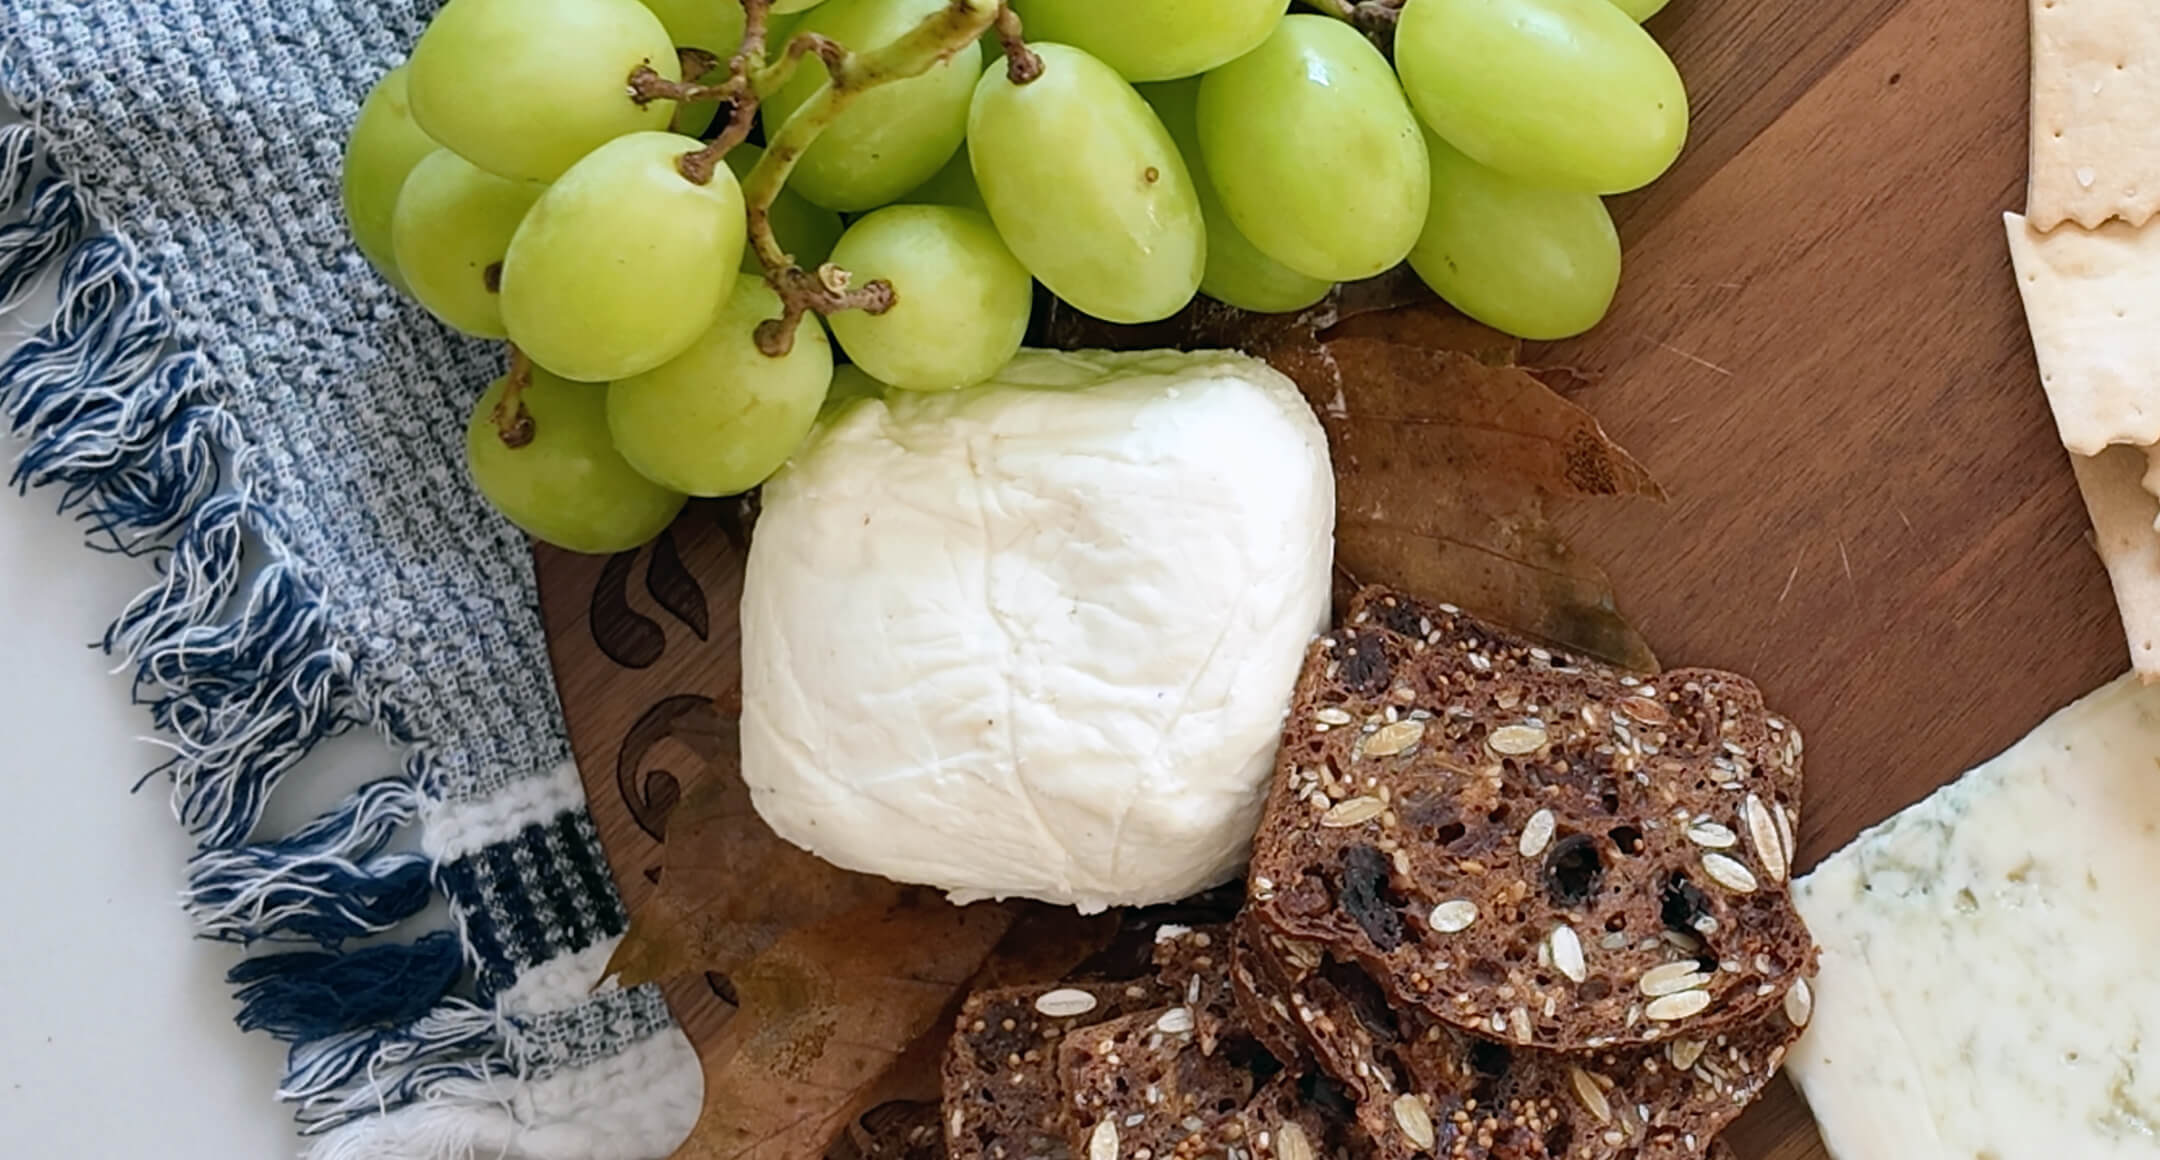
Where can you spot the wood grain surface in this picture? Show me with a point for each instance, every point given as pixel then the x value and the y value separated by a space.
pixel 1818 349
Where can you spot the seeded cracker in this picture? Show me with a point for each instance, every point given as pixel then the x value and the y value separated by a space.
pixel 1529 846
pixel 1262 993
pixel 899 1131
pixel 1194 963
pixel 1002 1100
pixel 1410 1075
pixel 2095 83
pixel 1143 1082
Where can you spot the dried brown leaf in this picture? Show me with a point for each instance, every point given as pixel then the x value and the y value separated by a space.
pixel 846 983
pixel 1443 469
pixel 729 887
pixel 1446 453
pixel 827 1010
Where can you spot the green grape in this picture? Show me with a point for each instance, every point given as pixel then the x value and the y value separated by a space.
pixel 383 148
pixel 524 88
pixel 788 7
pixel 953 185
pixel 568 487
pixel 892 137
pixel 724 415
pixel 1087 188
pixel 1537 263
pixel 961 300
pixel 1566 93
pixel 779 30
pixel 1154 40
pixel 1237 272
pixel 713 25
pixel 803 230
pixel 1316 154
pixel 623 262
pixel 453 225
pixel 850 383
pixel 1640 10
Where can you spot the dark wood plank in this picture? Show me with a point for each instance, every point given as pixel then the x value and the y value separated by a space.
pixel 1818 348
pixel 1822 356
pixel 1820 352
pixel 623 657
pixel 1744 65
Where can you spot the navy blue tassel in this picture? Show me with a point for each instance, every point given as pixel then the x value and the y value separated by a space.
pixel 133 508
pixel 356 1074
pixel 306 995
pixel 195 580
pixel 327 883
pixel 56 224
pixel 18 156
pixel 247 700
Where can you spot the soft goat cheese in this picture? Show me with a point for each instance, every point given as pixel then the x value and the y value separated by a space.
pixel 1036 638
pixel 1990 985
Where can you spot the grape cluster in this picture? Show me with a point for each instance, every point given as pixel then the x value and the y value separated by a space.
pixel 577 177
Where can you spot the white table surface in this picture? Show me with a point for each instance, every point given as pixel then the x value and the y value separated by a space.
pixel 116 1032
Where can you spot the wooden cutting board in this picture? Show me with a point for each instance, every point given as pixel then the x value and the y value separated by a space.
pixel 1818 349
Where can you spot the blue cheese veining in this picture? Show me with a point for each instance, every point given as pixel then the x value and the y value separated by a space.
pixel 1990 985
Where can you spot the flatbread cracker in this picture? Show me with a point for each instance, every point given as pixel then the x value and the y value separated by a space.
pixel 2095 138
pixel 2123 519
pixel 2092 301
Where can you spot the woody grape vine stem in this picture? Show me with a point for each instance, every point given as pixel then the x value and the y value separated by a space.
pixel 513 421
pixel 1368 16
pixel 750 79
pixel 941 35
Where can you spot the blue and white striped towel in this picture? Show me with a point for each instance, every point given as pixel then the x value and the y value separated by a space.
pixel 229 392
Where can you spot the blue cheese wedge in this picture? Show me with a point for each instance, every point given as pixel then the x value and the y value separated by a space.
pixel 1990 985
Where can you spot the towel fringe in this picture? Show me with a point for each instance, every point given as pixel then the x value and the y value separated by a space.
pixel 326 883
pixel 459 1046
pixel 140 448
pixel 302 996
pixel 18 159
pixel 245 700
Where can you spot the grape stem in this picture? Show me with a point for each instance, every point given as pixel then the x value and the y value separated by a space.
pixel 513 421
pixel 1368 16
pixel 827 290
pixel 1022 66
pixel 751 78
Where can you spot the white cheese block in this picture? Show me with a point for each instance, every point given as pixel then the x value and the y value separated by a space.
pixel 1036 638
pixel 1990 984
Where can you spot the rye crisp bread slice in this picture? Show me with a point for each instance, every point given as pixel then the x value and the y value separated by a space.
pixel 1001 1094
pixel 1194 1079
pixel 1530 846
pixel 1192 965
pixel 1262 996
pixel 1140 1093
pixel 900 1130
pixel 1449 1095
pixel 1143 1086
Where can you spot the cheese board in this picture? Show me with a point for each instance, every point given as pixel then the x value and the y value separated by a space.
pixel 1817 349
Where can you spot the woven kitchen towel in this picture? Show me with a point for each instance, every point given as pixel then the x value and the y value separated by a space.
pixel 227 390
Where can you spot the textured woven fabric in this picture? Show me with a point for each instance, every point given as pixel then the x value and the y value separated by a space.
pixel 226 383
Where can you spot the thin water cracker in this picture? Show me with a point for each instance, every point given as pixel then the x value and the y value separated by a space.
pixel 2095 87
pixel 2092 302
pixel 2151 482
pixel 2123 519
